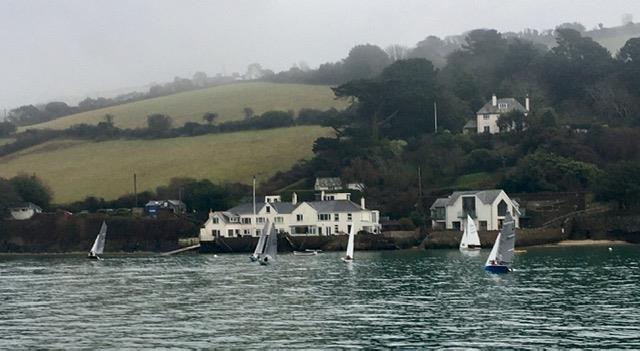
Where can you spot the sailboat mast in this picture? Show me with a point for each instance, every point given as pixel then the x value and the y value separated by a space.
pixel 253 221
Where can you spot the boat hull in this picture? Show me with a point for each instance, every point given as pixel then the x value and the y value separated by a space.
pixel 253 258
pixel 265 260
pixel 498 269
pixel 471 248
pixel 346 260
pixel 307 253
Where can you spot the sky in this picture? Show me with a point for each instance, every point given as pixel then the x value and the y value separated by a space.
pixel 70 49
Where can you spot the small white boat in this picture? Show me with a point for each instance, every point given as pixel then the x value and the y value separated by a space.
pixel 271 248
pixel 501 255
pixel 348 258
pixel 261 242
pixel 470 239
pixel 98 244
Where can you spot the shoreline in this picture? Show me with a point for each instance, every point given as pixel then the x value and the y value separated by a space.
pixel 591 242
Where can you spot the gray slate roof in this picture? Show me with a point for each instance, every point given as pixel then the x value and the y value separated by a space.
pixel 247 208
pixel 486 196
pixel 512 104
pixel 333 206
pixel 472 124
pixel 331 183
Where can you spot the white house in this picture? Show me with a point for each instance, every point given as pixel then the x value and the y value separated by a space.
pixel 487 117
pixel 487 208
pixel 333 214
pixel 24 211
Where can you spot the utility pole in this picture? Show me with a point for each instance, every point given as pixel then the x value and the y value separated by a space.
pixel 135 189
pixel 435 117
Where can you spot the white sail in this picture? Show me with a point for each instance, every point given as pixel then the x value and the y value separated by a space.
pixel 271 248
pixel 98 244
pixel 502 252
pixel 470 236
pixel 261 241
pixel 351 243
pixel 472 233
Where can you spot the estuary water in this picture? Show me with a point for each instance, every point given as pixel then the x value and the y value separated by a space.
pixel 557 297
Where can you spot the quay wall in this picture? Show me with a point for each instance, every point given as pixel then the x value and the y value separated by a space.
pixel 56 233
pixel 450 239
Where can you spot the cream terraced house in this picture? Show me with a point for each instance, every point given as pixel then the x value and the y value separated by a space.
pixel 488 209
pixel 333 214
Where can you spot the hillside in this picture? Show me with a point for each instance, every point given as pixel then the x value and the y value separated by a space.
pixel 226 100
pixel 76 169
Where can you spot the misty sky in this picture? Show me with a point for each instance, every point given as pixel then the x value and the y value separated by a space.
pixel 71 49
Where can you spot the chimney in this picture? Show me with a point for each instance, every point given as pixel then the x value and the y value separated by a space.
pixel 494 100
pixel 322 196
pixel 527 103
pixel 362 202
pixel 294 198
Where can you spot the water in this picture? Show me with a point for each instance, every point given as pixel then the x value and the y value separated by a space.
pixel 578 297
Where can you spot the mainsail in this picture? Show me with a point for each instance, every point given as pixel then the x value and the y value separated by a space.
pixel 502 252
pixel 98 245
pixel 470 236
pixel 351 243
pixel 261 241
pixel 271 247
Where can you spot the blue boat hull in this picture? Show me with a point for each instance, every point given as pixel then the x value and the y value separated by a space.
pixel 496 269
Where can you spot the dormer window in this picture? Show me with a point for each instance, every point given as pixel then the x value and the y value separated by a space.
pixel 503 105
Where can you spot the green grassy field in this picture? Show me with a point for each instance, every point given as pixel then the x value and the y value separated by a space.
pixel 76 169
pixel 226 100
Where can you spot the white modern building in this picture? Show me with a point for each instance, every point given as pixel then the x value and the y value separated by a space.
pixel 333 214
pixel 488 209
pixel 487 117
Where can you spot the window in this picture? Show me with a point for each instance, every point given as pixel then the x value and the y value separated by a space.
pixel 349 217
pixel 299 218
pixel 329 197
pixel 456 225
pixel 438 213
pixel 260 220
pixel 278 219
pixel 246 220
pixel 487 129
pixel 246 232
pixel 328 230
pixel 268 209
pixel 312 230
pixel 258 232
pixel 469 205
pixel 215 233
pixel 215 220
pixel 336 217
pixel 502 208
pixel 335 229
pixel 483 225
pixel 485 117
pixel 324 217
pixel 503 105
pixel 230 233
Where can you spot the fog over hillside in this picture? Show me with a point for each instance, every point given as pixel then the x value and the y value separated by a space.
pixel 68 49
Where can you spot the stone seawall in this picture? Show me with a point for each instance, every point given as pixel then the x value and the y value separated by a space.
pixel 450 239
pixel 607 226
pixel 55 233
pixel 386 241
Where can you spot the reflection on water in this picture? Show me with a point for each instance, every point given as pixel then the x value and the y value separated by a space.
pixel 557 297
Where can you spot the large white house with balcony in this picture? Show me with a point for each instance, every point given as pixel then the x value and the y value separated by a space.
pixel 333 214
pixel 487 208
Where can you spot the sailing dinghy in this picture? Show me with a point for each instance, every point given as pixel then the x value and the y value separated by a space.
pixel 98 245
pixel 470 239
pixel 350 244
pixel 501 255
pixel 271 247
pixel 261 241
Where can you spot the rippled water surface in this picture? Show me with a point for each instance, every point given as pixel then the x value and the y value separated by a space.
pixel 557 297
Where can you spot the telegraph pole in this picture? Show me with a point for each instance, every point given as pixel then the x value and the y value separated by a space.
pixel 435 117
pixel 135 189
